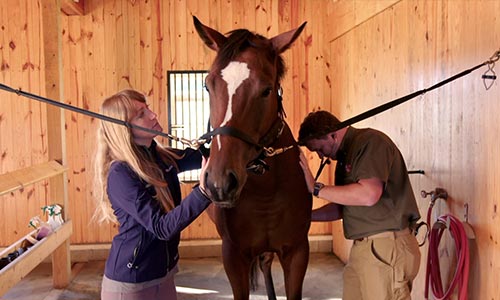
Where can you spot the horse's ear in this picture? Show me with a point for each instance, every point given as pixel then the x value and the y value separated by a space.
pixel 212 38
pixel 283 41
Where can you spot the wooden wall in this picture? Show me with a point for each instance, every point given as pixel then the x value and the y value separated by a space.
pixel 352 56
pixel 119 44
pixel 23 123
pixel 450 133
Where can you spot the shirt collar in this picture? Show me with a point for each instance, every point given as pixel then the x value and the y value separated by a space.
pixel 345 144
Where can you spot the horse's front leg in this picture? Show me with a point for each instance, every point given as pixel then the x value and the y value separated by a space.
pixel 237 267
pixel 265 263
pixel 294 263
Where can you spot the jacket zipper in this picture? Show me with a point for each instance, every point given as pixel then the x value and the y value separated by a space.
pixel 137 249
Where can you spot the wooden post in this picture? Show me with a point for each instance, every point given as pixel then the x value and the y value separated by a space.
pixel 51 22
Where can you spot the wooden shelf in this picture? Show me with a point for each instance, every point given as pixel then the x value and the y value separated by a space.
pixel 12 181
pixel 56 244
pixel 11 274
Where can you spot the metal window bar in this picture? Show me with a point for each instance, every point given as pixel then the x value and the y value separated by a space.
pixel 188 109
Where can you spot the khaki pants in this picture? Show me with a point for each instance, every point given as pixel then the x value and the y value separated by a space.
pixel 382 267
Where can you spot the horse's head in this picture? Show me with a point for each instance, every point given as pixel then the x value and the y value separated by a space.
pixel 245 104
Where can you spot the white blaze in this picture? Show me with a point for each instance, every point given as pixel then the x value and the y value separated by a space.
pixel 233 74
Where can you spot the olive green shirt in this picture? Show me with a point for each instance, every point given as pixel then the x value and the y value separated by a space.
pixel 368 153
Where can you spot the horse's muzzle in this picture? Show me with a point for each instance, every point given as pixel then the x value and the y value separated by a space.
pixel 224 190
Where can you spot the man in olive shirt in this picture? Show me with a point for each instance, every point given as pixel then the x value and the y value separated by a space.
pixel 374 197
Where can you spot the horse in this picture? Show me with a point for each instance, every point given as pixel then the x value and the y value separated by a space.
pixel 260 202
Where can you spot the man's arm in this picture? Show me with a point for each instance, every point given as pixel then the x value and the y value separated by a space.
pixel 328 212
pixel 365 192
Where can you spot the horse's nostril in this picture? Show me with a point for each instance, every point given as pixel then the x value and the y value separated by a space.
pixel 223 187
pixel 232 182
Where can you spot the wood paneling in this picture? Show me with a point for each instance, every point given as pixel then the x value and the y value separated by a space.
pixel 449 132
pixel 23 123
pixel 137 42
pixel 352 56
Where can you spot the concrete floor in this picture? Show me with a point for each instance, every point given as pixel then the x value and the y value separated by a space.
pixel 197 279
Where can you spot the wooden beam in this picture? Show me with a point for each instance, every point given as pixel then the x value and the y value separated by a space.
pixel 18 179
pixel 73 7
pixel 52 37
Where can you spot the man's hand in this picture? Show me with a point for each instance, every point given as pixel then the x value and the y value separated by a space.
pixel 307 172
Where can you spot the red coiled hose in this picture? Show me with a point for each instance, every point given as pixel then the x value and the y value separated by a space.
pixel 433 273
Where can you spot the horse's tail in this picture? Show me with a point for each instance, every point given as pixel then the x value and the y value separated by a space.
pixel 264 261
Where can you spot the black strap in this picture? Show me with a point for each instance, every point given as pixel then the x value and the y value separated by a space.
pixel 389 105
pixel 234 131
pixel 80 110
pixel 324 162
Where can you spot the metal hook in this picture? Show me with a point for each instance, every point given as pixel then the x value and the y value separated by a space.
pixel 466 215
pixel 495 57
pixel 436 194
pixel 490 73
pixel 469 231
pixel 270 151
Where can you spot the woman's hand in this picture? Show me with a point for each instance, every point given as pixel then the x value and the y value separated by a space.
pixel 307 172
pixel 204 164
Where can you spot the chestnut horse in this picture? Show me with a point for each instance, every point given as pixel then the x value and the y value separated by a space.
pixel 269 212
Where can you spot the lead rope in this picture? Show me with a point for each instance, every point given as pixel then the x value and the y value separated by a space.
pixel 195 143
pixel 488 75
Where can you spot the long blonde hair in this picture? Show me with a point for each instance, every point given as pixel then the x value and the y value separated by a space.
pixel 115 143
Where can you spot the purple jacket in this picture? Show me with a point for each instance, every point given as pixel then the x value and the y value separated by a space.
pixel 146 246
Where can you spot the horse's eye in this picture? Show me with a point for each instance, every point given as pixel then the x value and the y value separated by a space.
pixel 266 92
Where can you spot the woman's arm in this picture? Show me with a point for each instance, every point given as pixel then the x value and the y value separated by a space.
pixel 131 198
pixel 191 160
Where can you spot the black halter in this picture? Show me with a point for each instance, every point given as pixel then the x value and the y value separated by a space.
pixel 257 165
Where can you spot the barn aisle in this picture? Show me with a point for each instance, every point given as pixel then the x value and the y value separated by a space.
pixel 197 279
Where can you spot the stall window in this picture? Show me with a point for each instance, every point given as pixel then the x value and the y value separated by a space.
pixel 188 109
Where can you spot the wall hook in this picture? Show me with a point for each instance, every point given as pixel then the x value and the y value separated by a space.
pixel 438 193
pixel 469 231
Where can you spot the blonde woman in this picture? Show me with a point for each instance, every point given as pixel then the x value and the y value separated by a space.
pixel 138 188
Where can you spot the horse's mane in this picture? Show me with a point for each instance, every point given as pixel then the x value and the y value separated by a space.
pixel 239 40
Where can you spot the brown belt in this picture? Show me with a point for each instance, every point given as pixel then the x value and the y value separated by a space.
pixel 385 235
